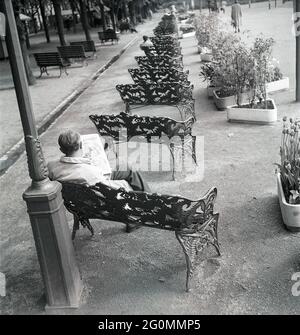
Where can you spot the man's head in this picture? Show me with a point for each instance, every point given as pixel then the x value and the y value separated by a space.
pixel 236 1
pixel 69 142
pixel 145 38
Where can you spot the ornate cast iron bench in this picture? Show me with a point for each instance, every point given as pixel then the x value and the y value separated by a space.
pixel 143 75
pixel 73 52
pixel 165 41
pixel 193 221
pixel 167 25
pixel 170 40
pixel 150 128
pixel 172 94
pixel 108 35
pixel 162 51
pixel 152 62
pixel 88 46
pixel 46 59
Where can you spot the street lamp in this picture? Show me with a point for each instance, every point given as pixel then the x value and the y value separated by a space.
pixel 51 233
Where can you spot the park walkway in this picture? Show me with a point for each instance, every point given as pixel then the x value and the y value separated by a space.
pixel 50 94
pixel 147 266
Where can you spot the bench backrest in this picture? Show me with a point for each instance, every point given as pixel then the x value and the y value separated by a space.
pixel 160 94
pixel 71 51
pixel 149 127
pixel 158 62
pixel 154 210
pixel 48 59
pixel 158 75
pixel 89 46
pixel 162 52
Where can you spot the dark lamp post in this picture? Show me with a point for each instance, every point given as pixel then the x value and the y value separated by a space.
pixel 51 233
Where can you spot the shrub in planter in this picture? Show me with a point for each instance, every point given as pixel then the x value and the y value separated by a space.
pixel 207 73
pixel 225 99
pixel 233 71
pixel 275 79
pixel 278 85
pixel 289 174
pixel 261 54
pixel 206 55
pixel 254 113
pixel 207 26
pixel 187 28
pixel 258 57
pixel 167 25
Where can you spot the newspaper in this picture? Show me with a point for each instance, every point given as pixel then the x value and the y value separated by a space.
pixel 93 149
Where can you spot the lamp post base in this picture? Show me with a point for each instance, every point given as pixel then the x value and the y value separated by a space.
pixel 54 246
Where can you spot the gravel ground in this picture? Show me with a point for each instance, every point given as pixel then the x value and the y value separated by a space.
pixel 144 272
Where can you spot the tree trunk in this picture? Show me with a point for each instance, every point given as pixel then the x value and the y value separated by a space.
pixel 22 37
pixel 132 13
pixel 74 17
pixel 59 22
pixel 35 28
pixel 45 24
pixel 102 15
pixel 84 20
pixel 38 15
pixel 112 15
pixel 89 14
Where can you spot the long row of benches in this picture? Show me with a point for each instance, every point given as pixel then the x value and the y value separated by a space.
pixel 194 222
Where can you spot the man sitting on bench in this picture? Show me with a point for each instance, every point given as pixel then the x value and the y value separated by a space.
pixel 75 167
pixel 146 43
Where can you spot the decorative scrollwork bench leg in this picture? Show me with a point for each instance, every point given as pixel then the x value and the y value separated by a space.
pixel 194 156
pixel 193 243
pixel 75 226
pixel 187 244
pixel 84 222
pixel 171 148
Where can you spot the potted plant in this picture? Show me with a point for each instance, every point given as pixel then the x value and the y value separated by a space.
pixel 207 72
pixel 260 109
pixel 187 30
pixel 207 26
pixel 288 177
pixel 232 71
pixel 275 79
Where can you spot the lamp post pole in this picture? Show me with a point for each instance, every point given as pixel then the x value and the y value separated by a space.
pixel 51 233
pixel 200 5
pixel 297 33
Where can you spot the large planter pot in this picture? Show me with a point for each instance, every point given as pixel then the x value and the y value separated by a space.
pixel 290 213
pixel 278 85
pixel 210 91
pixel 226 102
pixel 253 115
pixel 206 57
pixel 189 34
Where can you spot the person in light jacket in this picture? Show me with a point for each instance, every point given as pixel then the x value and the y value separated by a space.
pixel 236 16
pixel 74 167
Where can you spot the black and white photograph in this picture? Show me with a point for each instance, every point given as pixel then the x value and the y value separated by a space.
pixel 150 161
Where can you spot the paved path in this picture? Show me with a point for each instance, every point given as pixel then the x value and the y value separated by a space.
pixel 147 266
pixel 51 92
